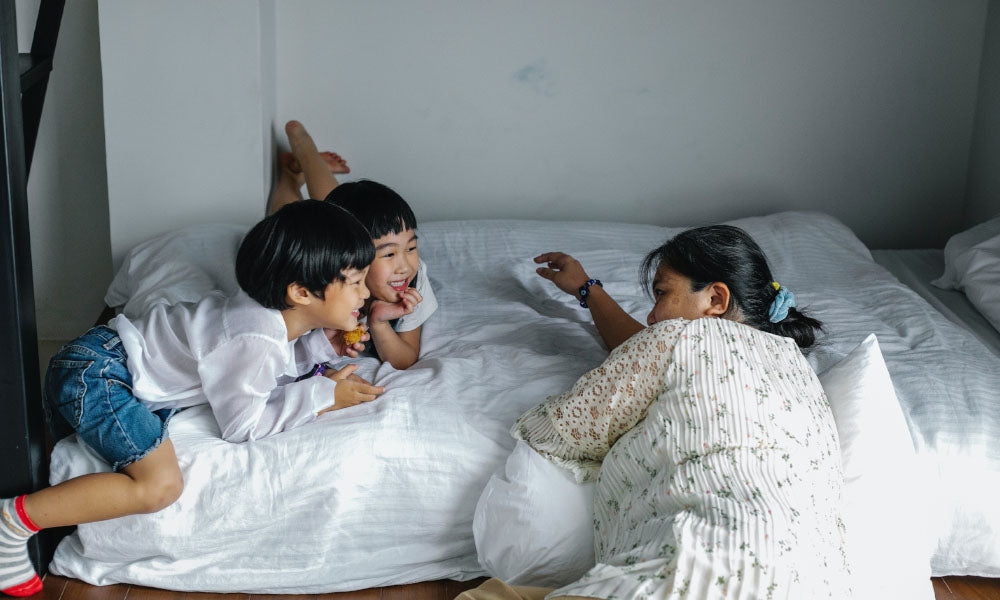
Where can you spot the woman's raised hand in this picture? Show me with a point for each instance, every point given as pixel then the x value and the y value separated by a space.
pixel 563 270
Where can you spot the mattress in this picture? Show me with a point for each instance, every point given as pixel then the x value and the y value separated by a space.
pixel 384 493
pixel 917 268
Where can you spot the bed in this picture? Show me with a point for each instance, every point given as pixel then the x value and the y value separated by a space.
pixel 917 268
pixel 384 493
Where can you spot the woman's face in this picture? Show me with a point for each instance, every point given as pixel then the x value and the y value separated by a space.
pixel 675 300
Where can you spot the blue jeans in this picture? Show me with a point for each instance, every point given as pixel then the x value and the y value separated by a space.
pixel 88 390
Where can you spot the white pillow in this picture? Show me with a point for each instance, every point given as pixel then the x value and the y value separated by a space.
pixel 534 524
pixel 886 509
pixel 180 266
pixel 972 265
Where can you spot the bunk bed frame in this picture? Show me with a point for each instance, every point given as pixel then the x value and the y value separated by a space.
pixel 23 82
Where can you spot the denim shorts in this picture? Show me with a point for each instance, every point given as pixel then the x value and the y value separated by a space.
pixel 88 390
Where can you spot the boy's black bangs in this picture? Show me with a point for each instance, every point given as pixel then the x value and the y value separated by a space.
pixel 354 250
pixel 379 208
pixel 389 224
pixel 309 242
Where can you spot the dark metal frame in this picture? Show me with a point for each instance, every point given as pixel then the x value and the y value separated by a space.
pixel 23 81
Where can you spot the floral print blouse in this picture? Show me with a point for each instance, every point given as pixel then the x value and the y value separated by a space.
pixel 717 465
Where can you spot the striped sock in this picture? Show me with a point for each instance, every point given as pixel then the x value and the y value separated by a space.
pixel 17 576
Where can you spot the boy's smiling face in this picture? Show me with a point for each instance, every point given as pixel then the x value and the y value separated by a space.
pixel 342 300
pixel 395 265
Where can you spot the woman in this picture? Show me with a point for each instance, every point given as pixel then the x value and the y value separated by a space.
pixel 715 453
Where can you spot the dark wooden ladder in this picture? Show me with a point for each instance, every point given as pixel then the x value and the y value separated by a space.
pixel 23 81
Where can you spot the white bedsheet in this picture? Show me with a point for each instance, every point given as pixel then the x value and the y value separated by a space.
pixel 917 268
pixel 384 493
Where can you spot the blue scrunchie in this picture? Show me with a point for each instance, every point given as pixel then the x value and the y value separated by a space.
pixel 783 301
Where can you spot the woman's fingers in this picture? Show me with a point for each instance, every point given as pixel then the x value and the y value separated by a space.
pixel 555 259
pixel 546 273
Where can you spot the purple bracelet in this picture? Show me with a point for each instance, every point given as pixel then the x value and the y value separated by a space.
pixel 318 369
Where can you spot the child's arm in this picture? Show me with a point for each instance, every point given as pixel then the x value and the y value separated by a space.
pixel 239 380
pixel 398 348
pixel 613 323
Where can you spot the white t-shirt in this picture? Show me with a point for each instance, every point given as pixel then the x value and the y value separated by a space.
pixel 232 353
pixel 427 306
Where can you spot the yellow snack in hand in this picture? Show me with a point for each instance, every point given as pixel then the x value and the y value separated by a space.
pixel 354 336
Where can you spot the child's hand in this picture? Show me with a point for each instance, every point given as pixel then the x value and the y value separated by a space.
pixel 351 389
pixel 387 311
pixel 336 337
pixel 563 270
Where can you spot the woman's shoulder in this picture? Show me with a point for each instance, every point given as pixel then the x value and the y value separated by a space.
pixel 661 337
pixel 704 330
pixel 722 333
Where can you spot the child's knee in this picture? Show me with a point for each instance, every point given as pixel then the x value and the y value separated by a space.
pixel 161 492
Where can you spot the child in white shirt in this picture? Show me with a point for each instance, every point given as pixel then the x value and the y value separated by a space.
pixel 301 270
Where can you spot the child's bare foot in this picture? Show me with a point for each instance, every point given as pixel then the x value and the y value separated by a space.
pixel 333 160
pixel 290 169
pixel 289 186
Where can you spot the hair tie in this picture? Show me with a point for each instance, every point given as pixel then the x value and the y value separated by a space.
pixel 783 301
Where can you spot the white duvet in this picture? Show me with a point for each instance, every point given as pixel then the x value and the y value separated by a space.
pixel 384 493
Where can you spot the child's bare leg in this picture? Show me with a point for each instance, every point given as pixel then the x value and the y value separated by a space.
pixel 289 186
pixel 146 486
pixel 319 180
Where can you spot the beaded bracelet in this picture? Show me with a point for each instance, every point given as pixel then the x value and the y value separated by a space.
pixel 585 290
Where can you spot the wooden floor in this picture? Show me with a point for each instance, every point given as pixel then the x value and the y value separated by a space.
pixel 60 588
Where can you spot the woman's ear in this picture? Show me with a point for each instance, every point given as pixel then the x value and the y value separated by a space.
pixel 718 299
pixel 297 295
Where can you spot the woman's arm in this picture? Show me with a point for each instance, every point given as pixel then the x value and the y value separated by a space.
pixel 577 428
pixel 613 323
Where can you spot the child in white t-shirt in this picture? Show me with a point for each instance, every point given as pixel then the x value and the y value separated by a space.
pixel 401 295
pixel 301 271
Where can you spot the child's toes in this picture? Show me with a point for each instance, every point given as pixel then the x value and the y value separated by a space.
pixel 336 163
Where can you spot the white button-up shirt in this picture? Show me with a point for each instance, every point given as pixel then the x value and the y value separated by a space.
pixel 232 353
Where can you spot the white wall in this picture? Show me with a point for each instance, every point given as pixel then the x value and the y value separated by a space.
pixel 984 167
pixel 671 112
pixel 27 11
pixel 186 106
pixel 67 187
pixel 667 112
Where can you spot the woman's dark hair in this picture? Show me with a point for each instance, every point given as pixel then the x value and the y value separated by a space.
pixel 380 209
pixel 729 255
pixel 309 243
